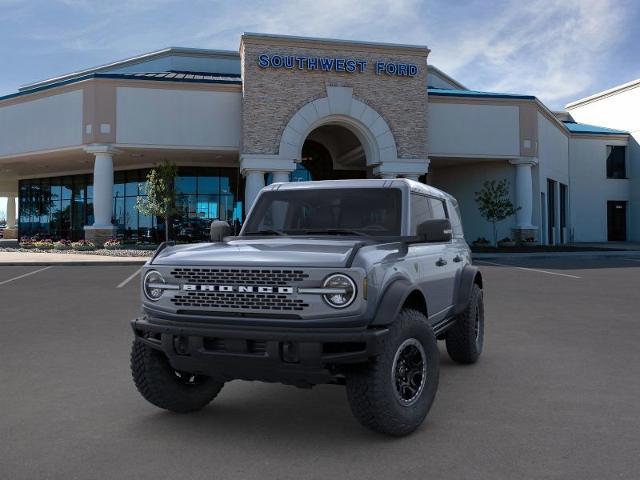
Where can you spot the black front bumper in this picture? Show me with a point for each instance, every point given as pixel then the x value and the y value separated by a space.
pixel 299 356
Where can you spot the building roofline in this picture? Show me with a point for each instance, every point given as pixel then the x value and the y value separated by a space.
pixel 593 129
pixel 604 93
pixel 119 76
pixel 131 61
pixel 336 41
pixel 445 92
pixel 446 76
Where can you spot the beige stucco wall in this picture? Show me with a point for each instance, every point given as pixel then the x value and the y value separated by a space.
pixel 460 129
pixel 178 117
pixel 50 122
pixel 272 96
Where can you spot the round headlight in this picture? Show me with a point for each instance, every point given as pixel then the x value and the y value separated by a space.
pixel 152 285
pixel 343 290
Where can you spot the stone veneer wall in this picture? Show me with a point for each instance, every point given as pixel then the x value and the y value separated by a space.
pixel 271 96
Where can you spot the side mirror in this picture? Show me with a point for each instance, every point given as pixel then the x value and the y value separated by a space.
pixel 218 230
pixel 435 230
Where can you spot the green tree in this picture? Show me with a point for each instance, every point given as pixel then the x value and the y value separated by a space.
pixel 494 203
pixel 160 199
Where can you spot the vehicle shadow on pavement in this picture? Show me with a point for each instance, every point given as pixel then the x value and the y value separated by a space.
pixel 268 413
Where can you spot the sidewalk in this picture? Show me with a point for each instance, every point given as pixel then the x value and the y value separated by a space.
pixel 592 253
pixel 32 258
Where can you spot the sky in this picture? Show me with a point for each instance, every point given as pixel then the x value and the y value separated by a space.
pixel 558 50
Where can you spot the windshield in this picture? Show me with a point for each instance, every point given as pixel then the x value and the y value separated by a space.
pixel 323 211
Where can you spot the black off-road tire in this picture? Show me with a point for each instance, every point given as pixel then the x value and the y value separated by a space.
pixel 466 337
pixel 372 388
pixel 166 388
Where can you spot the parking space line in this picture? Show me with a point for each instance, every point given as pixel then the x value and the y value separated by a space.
pixel 129 278
pixel 528 269
pixel 25 275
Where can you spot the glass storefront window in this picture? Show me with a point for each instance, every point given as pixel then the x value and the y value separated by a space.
pixel 59 207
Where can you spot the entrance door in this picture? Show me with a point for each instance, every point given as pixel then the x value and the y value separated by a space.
pixel 543 218
pixel 563 213
pixel 617 221
pixel 551 211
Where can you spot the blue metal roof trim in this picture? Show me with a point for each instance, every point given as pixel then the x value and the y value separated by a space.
pixel 444 92
pixel 575 127
pixel 228 79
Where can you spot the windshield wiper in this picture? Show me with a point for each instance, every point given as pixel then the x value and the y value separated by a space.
pixel 266 232
pixel 336 231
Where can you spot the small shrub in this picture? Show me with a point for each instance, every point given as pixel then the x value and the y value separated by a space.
pixel 62 245
pixel 26 242
pixel 43 244
pixel 83 245
pixel 113 244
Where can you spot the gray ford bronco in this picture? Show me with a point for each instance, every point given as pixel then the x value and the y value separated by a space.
pixel 349 282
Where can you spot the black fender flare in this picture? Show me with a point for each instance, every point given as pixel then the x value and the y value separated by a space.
pixel 392 300
pixel 467 279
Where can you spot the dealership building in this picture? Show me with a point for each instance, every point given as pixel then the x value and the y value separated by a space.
pixel 75 149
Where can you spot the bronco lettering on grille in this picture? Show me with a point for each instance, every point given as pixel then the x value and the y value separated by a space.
pixel 237 288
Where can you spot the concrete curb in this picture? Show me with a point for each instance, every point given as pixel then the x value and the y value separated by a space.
pixel 598 254
pixel 72 263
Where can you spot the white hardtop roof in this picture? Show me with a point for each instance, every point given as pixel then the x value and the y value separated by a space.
pixel 361 183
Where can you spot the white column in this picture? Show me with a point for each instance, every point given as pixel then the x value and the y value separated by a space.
pixel 254 166
pixel 11 211
pixel 254 182
pixel 524 191
pixel 280 177
pixel 103 190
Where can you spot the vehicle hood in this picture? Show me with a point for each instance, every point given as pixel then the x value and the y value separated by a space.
pixel 281 252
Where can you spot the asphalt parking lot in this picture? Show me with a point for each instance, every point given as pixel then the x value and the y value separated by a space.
pixel 555 395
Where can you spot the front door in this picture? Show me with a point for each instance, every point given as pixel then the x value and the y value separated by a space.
pixel 617 221
pixel 551 212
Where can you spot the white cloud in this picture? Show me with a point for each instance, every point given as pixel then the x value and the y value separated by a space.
pixel 554 49
pixel 548 48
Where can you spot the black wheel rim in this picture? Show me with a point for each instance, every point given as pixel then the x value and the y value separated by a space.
pixel 409 372
pixel 477 324
pixel 187 378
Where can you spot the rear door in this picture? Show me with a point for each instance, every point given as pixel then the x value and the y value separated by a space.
pixel 448 261
pixel 434 269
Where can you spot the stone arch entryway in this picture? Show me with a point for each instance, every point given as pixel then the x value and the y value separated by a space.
pixel 340 109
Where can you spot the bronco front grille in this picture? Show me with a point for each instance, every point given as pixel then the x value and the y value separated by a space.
pixel 253 301
pixel 237 276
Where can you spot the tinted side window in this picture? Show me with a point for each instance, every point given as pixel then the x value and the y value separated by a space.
pixel 420 211
pixel 438 208
pixel 455 218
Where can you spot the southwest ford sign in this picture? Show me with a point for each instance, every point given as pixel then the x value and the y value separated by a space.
pixel 335 64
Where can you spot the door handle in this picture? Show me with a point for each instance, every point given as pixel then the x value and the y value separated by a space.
pixel 457 258
pixel 441 262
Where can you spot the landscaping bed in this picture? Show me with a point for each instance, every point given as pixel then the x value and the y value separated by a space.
pixel 539 249
pixel 111 248
pixel 123 252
